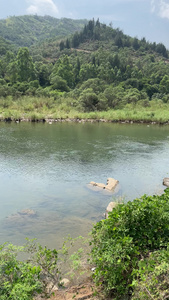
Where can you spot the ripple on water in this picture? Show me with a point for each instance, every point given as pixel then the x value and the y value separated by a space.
pixel 48 168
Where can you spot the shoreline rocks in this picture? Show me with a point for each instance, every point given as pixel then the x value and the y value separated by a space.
pixel 79 120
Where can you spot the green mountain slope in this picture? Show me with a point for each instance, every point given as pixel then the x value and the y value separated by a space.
pixel 93 37
pixel 97 68
pixel 26 30
pixel 5 46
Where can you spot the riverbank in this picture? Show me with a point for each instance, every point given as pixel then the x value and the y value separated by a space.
pixel 126 115
pixel 50 121
pixel 83 120
pixel 33 109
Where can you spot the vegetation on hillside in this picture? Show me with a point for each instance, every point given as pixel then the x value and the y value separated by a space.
pixel 5 46
pixel 97 69
pixel 26 30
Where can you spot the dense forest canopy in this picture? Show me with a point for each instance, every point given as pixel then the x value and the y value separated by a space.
pixel 98 67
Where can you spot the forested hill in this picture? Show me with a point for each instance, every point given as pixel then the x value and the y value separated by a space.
pixel 95 31
pixel 5 46
pixel 28 29
pixel 96 68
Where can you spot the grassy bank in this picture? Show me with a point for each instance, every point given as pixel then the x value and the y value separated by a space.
pixel 36 109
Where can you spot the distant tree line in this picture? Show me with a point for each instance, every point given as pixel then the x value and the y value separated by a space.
pixel 97 31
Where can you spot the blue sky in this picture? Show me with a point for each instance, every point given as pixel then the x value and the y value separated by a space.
pixel 140 18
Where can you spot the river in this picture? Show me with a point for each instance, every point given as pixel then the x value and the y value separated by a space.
pixel 47 168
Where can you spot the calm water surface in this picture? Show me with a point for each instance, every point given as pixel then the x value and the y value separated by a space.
pixel 47 168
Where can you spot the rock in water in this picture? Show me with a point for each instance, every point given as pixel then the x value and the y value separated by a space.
pixel 110 186
pixel 166 181
pixel 110 208
pixel 27 212
pixel 101 185
pixel 22 216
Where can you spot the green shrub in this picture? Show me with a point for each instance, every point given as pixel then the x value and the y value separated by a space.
pixel 153 277
pixel 24 279
pixel 88 100
pixel 131 231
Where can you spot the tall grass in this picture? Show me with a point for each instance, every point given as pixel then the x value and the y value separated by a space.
pixel 37 108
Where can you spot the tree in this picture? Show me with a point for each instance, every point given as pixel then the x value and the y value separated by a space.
pixel 12 71
pixel 26 70
pixel 106 72
pixel 58 83
pixel 43 74
pixel 88 100
pixel 87 71
pixel 95 84
pixel 2 68
pixel 160 48
pixel 132 96
pixel 62 45
pixel 64 69
pixel 67 44
pixel 118 41
pixel 102 103
pixel 135 44
pixel 75 40
pixel 115 61
pixel 76 70
pixel 164 84
pixel 114 96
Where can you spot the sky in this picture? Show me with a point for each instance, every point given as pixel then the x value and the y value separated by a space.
pixel 137 18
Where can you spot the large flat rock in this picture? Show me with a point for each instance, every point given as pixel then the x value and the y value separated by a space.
pixel 110 186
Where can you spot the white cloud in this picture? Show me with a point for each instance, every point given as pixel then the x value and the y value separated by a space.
pixel 160 7
pixel 164 9
pixel 42 7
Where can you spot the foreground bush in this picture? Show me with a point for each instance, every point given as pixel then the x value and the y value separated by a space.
pixel 130 233
pixel 153 277
pixel 24 279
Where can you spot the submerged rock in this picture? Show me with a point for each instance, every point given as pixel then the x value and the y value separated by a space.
pixel 166 181
pixel 22 215
pixel 110 186
pixel 27 212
